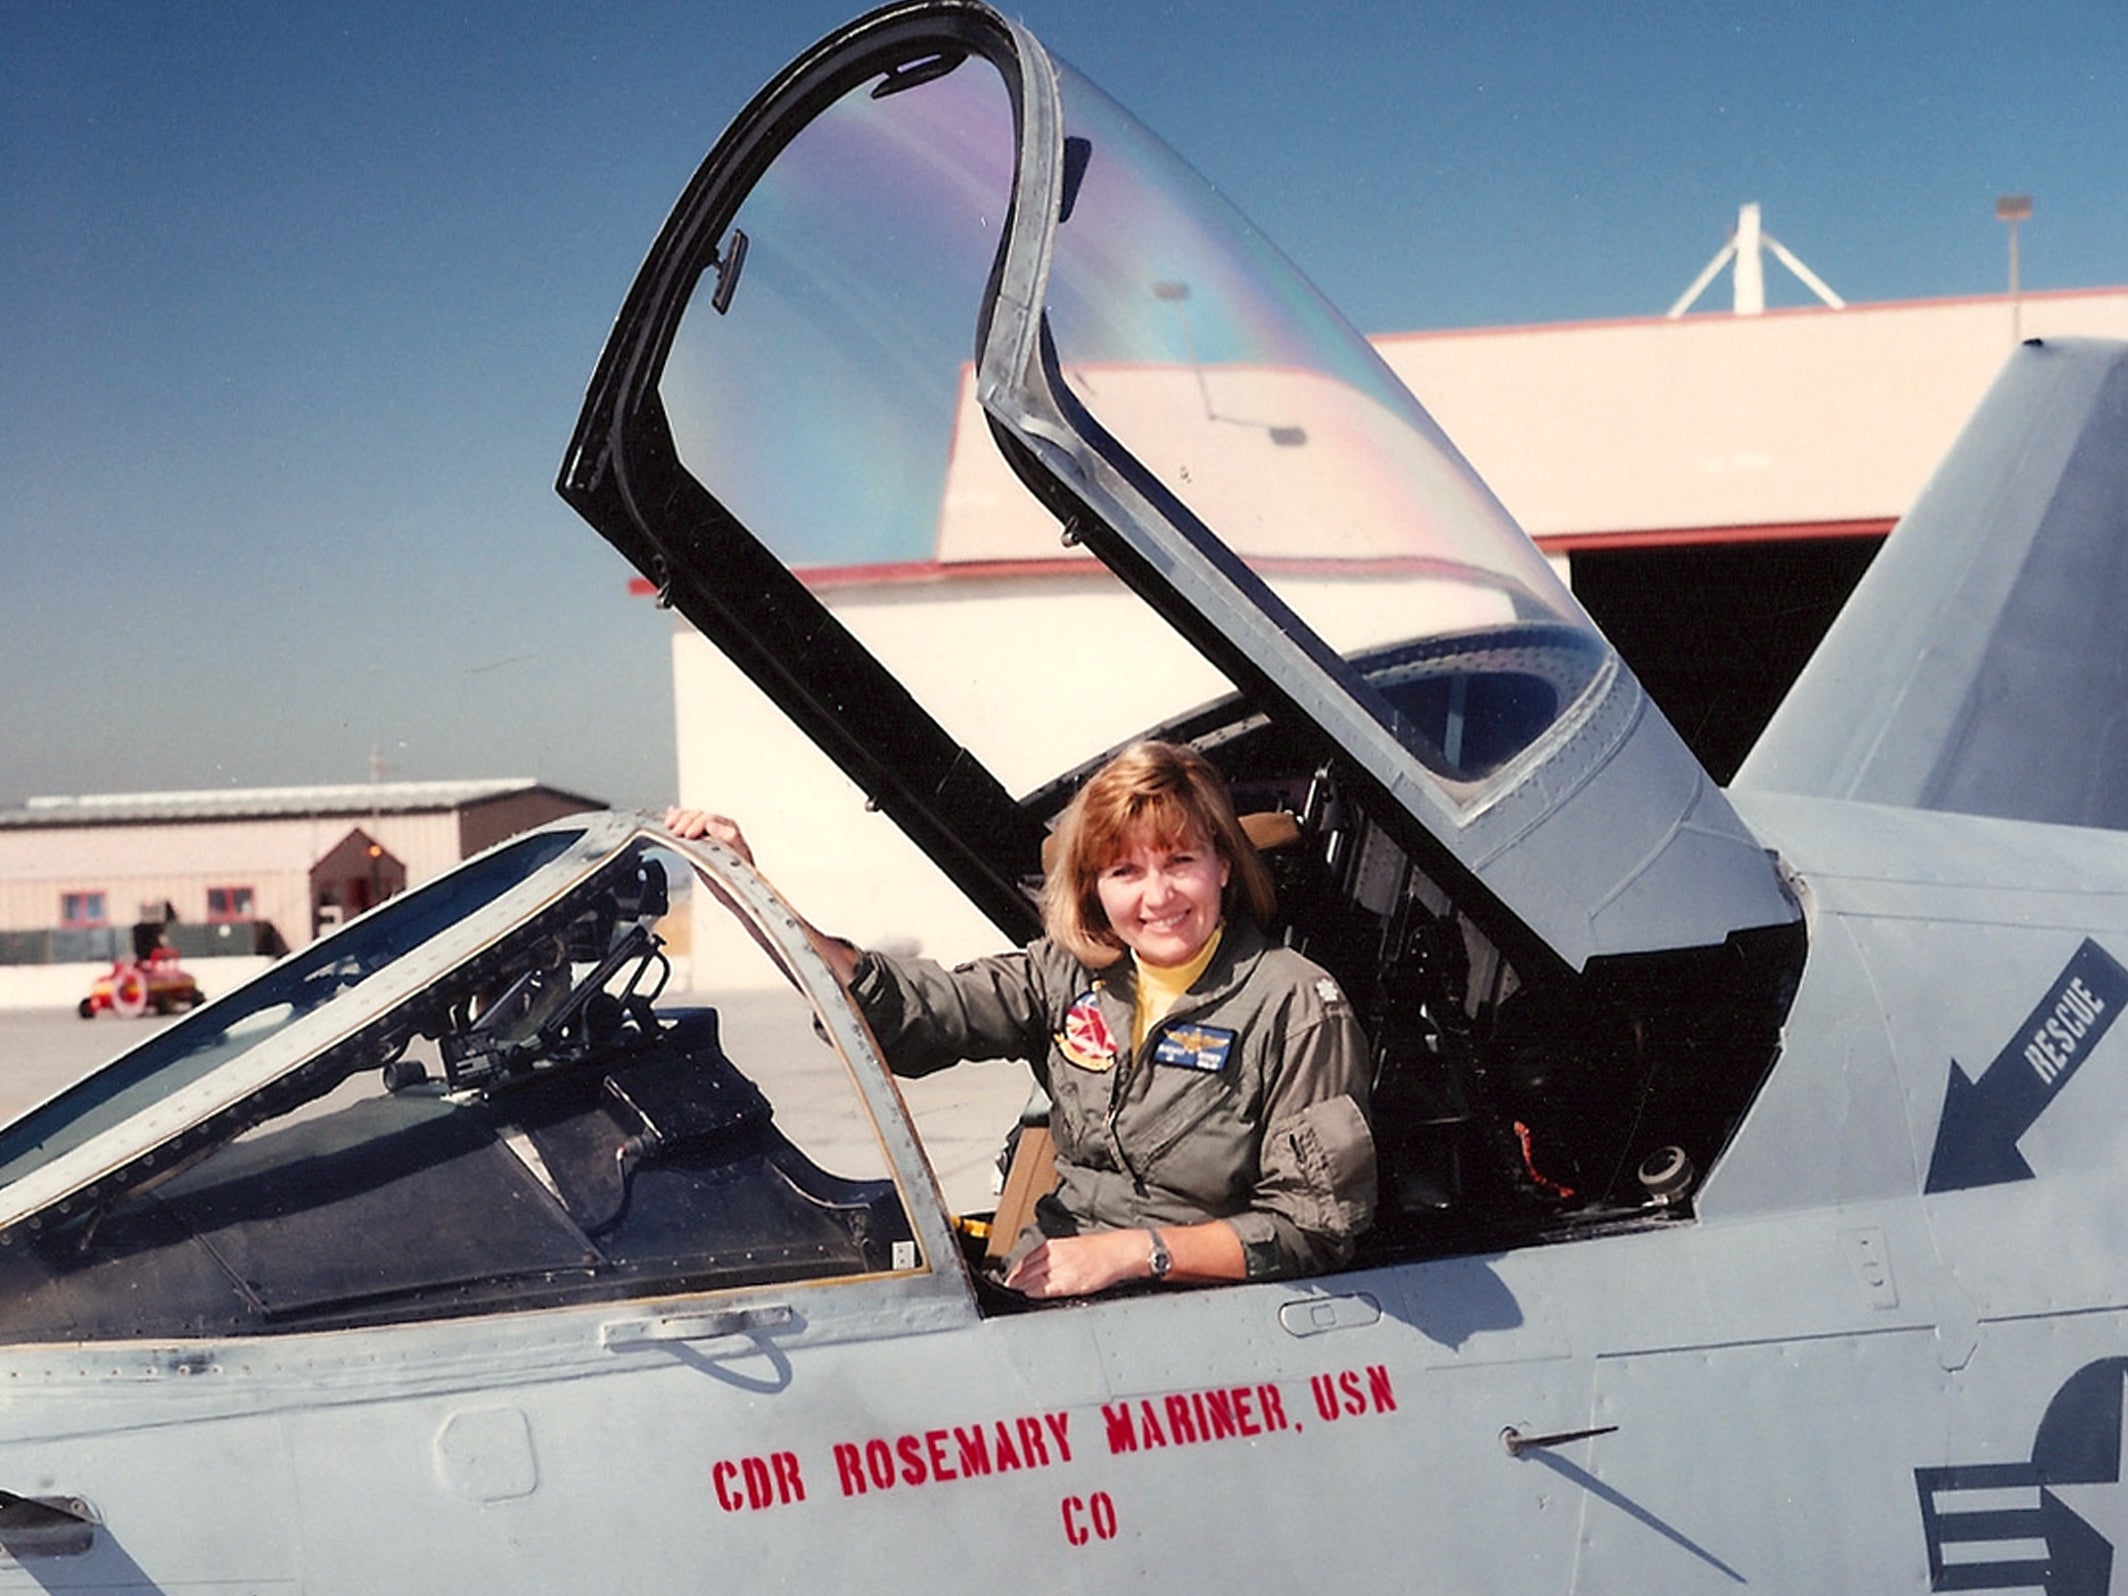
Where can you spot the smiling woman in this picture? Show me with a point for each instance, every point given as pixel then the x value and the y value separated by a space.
pixel 1208 1089
pixel 1161 897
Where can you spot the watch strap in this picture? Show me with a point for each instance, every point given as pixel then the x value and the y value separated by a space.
pixel 1159 1261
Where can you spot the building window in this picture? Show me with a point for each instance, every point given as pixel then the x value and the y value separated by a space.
pixel 231 903
pixel 83 909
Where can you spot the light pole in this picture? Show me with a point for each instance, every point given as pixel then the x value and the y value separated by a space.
pixel 2012 209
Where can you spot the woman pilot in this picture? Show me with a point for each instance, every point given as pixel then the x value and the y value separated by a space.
pixel 1208 1087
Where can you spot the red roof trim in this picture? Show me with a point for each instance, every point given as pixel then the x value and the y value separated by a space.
pixel 827 578
pixel 1702 536
pixel 911 573
pixel 906 573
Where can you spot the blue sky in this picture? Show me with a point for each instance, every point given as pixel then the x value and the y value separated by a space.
pixel 300 301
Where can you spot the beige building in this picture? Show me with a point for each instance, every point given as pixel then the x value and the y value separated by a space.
pixel 1712 484
pixel 246 871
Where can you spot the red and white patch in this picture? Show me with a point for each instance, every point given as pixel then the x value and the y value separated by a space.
pixel 1085 1039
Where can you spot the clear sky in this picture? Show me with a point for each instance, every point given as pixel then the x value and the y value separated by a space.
pixel 297 302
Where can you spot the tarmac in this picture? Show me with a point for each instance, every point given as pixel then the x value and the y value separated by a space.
pixel 43 1049
pixel 962 1115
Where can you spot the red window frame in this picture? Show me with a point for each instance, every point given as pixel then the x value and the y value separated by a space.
pixel 238 903
pixel 86 910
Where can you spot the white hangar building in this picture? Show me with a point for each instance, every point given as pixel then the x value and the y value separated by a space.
pixel 1713 486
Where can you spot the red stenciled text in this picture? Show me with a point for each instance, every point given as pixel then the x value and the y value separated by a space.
pixel 1351 1393
pixel 1091 1518
pixel 752 1483
pixel 877 1464
pixel 1189 1418
pixel 934 1457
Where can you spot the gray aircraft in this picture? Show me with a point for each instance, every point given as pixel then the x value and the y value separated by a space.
pixel 1752 1194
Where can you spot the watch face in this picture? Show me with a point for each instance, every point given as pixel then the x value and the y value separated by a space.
pixel 1163 1260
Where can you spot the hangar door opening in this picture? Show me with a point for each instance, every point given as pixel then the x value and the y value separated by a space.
pixel 1716 632
pixel 356 874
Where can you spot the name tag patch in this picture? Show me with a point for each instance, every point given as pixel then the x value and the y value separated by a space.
pixel 1195 1047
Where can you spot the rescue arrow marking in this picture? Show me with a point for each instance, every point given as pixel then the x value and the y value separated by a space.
pixel 1976 1139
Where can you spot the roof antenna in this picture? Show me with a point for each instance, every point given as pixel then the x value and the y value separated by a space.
pixel 1744 248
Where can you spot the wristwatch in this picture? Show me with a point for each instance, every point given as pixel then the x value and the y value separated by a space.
pixel 1161 1260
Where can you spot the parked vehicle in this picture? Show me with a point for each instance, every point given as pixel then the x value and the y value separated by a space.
pixel 133 987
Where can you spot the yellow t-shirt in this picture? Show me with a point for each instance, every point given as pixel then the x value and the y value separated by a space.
pixel 1161 985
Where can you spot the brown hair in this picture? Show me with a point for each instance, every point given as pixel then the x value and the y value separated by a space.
pixel 1161 791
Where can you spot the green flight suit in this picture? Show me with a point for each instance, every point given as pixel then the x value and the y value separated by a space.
pixel 1248 1101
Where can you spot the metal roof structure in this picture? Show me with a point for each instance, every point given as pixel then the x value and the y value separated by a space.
pixel 253 803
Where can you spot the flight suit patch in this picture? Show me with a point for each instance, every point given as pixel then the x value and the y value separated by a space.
pixel 1085 1039
pixel 1195 1047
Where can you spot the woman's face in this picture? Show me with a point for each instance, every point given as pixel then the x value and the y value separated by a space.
pixel 1163 901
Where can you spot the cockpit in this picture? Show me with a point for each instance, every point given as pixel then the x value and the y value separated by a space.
pixel 493 1094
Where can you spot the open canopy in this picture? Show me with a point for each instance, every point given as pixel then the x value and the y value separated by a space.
pixel 928 255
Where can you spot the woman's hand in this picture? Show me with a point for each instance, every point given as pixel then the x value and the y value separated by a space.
pixel 1077 1266
pixel 692 824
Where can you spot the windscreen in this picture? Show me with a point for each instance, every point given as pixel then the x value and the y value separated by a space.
pixel 559 1104
pixel 211 1038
